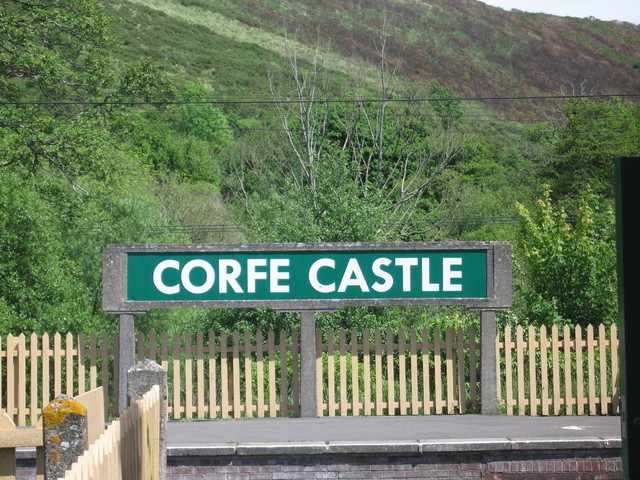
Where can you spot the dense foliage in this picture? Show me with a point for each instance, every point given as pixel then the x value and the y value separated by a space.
pixel 98 149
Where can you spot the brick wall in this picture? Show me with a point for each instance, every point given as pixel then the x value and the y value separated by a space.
pixel 559 464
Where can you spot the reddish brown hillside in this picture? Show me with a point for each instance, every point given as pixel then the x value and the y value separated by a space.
pixel 477 49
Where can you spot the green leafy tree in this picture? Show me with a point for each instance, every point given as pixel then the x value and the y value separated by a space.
pixel 592 134
pixel 202 120
pixel 567 264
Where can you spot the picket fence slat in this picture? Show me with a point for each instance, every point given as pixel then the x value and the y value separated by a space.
pixel 541 371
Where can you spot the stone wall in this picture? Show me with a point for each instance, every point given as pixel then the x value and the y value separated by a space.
pixel 508 465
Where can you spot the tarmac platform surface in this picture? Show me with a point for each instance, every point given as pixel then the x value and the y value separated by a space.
pixel 400 434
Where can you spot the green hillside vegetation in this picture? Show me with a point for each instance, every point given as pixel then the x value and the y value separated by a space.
pixel 155 121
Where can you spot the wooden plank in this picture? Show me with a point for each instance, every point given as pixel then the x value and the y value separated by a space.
pixel 355 375
pixel 284 378
pixel 555 361
pixel 295 371
pixel 81 371
pixel 33 378
pixel 141 350
pixel 164 350
pixel 261 406
pixel 93 402
pixel 452 400
pixel 568 383
pixel 7 452
pixel 367 404
pixel 425 355
pixel 413 372
pixel 377 345
pixel 532 347
pixel 12 374
pixel 342 365
pixel 93 364
pixel 224 376
pixel 331 375
pixel 21 384
pixel 402 372
pixel 604 378
pixel 271 374
pixel 153 347
pixel 212 376
pixel 320 406
pixel 189 405
pixel 177 380
pixel 545 400
pixel 70 354
pixel 200 376
pixel 591 345
pixel 508 370
pixel 615 345
pixel 462 389
pixel 450 369
pixel 520 380
pixel 391 405
pixel 579 365
pixel 437 371
pixel 22 437
pixel 235 374
pixel 342 352
pixel 248 375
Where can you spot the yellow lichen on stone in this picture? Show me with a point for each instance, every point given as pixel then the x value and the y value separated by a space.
pixel 54 439
pixel 55 456
pixel 55 413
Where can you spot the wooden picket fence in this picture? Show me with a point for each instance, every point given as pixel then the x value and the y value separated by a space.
pixel 401 373
pixel 568 371
pixel 129 449
pixel 222 375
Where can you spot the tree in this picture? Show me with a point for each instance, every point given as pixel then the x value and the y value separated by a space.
pixel 591 135
pixel 347 171
pixel 567 264
pixel 201 120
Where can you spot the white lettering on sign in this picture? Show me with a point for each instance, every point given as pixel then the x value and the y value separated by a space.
pixel 229 272
pixel 313 275
pixel 448 274
pixel 157 277
pixel 383 274
pixel 276 275
pixel 209 278
pixel 226 275
pixel 354 277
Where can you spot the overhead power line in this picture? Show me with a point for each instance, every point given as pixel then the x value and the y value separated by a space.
pixel 309 101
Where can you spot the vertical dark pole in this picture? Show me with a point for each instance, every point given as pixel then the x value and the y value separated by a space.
pixel 628 246
pixel 126 357
pixel 308 403
pixel 488 379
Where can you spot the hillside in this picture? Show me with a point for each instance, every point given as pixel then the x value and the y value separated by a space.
pixel 476 49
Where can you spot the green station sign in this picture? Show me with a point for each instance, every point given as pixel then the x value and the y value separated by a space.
pixel 304 275
pixel 296 276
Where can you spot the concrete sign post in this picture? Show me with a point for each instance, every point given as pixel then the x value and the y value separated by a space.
pixel 309 278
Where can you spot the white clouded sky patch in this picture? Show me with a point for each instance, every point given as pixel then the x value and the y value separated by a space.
pixel 624 10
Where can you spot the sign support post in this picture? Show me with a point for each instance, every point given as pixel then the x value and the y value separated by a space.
pixel 126 359
pixel 488 374
pixel 308 353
